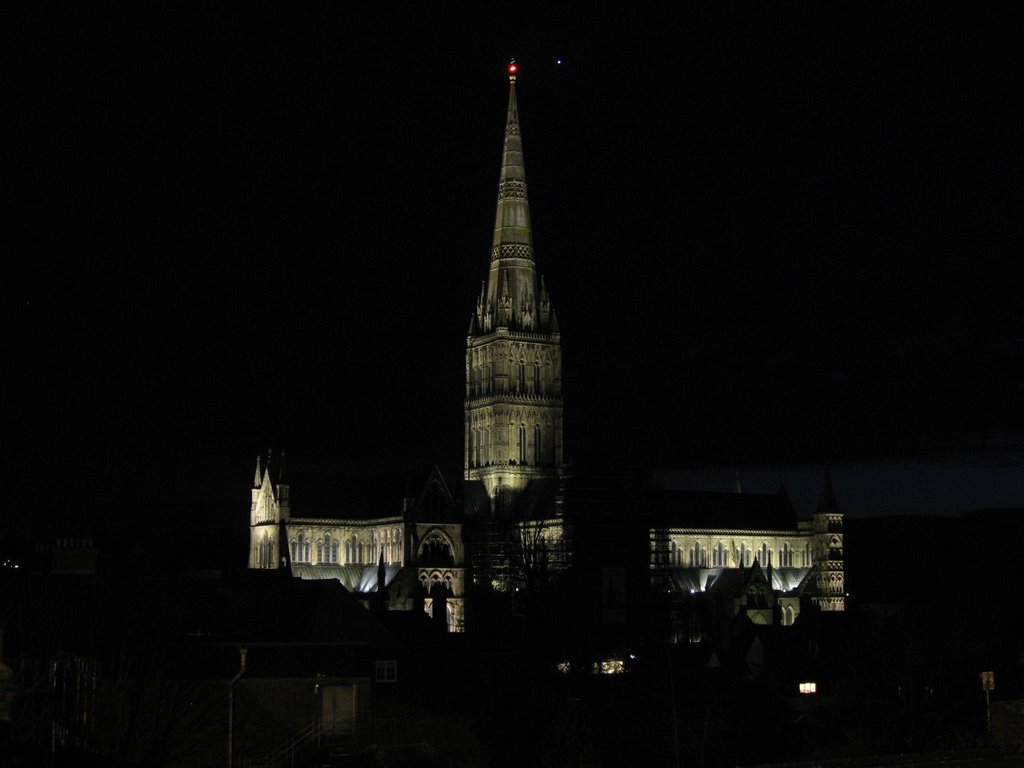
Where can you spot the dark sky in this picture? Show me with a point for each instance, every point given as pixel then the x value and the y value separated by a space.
pixel 772 233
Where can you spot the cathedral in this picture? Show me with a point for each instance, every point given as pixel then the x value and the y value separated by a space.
pixel 514 516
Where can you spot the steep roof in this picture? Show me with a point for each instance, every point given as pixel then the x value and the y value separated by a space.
pixel 355 578
pixel 747 511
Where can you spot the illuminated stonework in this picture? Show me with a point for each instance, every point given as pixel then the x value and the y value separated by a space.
pixel 514 487
pixel 419 554
pixel 270 509
pixel 727 548
pixel 802 562
pixel 513 409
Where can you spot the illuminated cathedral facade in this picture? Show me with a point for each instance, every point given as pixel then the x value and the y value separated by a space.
pixel 512 497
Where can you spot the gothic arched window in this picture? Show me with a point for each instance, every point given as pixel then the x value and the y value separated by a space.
pixel 698 556
pixel 436 551
pixel 267 553
pixel 719 556
pixel 319 551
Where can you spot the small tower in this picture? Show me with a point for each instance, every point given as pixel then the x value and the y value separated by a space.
pixel 513 408
pixel 270 508
pixel 828 579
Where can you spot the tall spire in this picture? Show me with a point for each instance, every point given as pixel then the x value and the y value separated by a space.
pixel 512 280
pixel 512 237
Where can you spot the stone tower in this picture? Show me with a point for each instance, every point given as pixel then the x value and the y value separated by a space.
pixel 829 584
pixel 513 352
pixel 268 517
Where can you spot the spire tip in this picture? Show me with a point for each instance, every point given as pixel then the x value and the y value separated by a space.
pixel 513 68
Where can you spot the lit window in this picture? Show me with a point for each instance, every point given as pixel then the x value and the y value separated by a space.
pixel 386 671
pixel 808 688
pixel 609 667
pixel 565 667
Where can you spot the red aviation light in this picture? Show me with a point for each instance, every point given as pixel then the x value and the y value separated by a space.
pixel 512 68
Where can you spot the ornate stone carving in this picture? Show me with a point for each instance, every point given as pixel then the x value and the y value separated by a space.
pixel 512 251
pixel 512 189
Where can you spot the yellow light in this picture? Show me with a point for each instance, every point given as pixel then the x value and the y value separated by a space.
pixel 609 667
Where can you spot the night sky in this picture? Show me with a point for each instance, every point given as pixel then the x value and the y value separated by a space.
pixel 773 234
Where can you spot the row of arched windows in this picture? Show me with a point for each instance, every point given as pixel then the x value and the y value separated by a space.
pixel 350 550
pixel 525 378
pixel 721 556
pixel 530 445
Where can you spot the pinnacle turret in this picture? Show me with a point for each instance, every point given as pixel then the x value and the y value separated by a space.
pixel 827 502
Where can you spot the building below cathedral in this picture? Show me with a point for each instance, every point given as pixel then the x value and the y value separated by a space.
pixel 519 520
